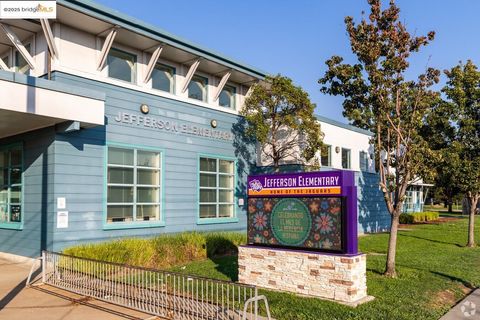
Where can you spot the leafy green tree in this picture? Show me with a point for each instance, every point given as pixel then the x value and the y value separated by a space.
pixel 440 133
pixel 280 116
pixel 378 97
pixel 463 93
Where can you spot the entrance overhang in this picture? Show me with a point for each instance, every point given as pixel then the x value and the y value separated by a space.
pixel 28 103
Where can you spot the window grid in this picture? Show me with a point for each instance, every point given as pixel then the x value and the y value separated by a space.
pixel 217 189
pixel 135 185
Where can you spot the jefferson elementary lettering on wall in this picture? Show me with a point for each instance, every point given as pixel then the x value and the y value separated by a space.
pixel 172 126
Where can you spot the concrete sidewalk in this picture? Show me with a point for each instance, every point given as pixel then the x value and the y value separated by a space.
pixel 48 303
pixel 467 309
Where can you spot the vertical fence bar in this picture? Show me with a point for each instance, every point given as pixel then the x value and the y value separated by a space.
pixel 43 267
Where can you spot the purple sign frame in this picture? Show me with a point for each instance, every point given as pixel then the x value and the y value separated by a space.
pixel 337 183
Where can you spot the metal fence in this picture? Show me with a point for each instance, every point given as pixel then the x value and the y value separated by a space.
pixel 165 294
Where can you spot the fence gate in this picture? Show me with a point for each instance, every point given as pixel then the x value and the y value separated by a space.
pixel 165 294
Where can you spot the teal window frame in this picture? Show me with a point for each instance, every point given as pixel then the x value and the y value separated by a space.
pixel 205 91
pixel 349 159
pixel 15 225
pixel 329 156
pixel 134 224
pixel 233 99
pixel 174 72
pixel 218 220
pixel 134 67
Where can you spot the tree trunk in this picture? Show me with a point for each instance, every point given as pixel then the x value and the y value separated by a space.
pixel 276 166
pixel 471 222
pixel 450 201
pixel 392 246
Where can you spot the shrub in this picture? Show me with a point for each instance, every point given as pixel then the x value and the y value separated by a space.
pixel 416 217
pixel 162 251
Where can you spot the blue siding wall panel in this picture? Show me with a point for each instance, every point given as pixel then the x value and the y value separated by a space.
pixel 79 164
pixel 372 210
pixel 37 205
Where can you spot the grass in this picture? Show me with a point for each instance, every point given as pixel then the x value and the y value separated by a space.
pixel 162 251
pixel 435 271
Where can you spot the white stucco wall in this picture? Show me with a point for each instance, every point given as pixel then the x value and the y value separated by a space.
pixel 339 136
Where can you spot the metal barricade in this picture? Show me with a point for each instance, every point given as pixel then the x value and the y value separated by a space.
pixel 165 294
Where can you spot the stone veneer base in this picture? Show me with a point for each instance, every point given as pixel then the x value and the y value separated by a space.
pixel 336 277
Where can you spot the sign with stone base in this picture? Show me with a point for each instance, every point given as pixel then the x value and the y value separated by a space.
pixel 302 236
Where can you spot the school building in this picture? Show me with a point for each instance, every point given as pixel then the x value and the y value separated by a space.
pixel 111 127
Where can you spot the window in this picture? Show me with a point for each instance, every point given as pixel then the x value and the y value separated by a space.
pixel 133 185
pixel 11 184
pixel 227 97
pixel 326 155
pixel 197 88
pixel 21 65
pixel 363 161
pixel 216 188
pixel 121 65
pixel 345 158
pixel 6 60
pixel 162 78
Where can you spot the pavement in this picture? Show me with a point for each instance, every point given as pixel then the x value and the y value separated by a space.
pixel 467 309
pixel 47 303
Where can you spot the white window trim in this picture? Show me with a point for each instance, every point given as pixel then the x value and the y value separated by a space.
pixel 234 97
pixel 135 65
pixel 349 166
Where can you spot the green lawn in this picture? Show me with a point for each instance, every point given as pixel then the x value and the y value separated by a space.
pixel 435 271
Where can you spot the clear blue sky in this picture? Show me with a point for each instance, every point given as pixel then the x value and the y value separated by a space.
pixel 295 37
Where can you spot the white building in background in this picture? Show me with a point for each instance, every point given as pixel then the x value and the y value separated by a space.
pixel 345 147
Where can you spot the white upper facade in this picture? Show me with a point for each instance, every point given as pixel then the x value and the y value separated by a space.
pixel 85 36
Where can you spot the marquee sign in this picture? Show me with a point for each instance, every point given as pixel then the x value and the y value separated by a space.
pixel 307 184
pixel 308 210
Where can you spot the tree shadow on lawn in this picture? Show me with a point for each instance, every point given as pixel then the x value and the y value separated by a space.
pixel 227 265
pixel 465 283
pixel 224 253
pixel 431 240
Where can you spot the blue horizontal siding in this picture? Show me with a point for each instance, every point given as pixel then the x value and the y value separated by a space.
pixel 79 163
pixel 37 231
pixel 373 215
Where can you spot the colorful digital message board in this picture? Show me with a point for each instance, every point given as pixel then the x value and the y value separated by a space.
pixel 301 210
